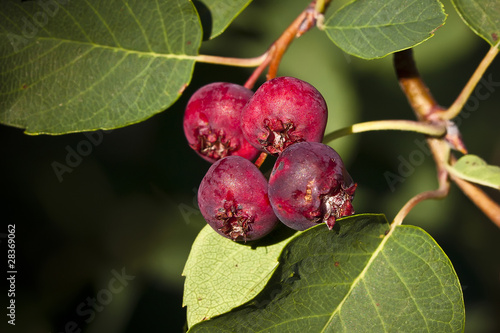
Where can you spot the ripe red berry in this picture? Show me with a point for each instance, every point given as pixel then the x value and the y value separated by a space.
pixel 234 201
pixel 212 121
pixel 283 111
pixel 309 185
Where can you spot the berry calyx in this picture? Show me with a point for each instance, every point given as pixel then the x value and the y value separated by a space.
pixel 279 136
pixel 212 121
pixel 284 111
pixel 233 199
pixel 309 185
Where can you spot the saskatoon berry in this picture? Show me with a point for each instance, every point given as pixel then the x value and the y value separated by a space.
pixel 234 201
pixel 283 111
pixel 212 121
pixel 309 185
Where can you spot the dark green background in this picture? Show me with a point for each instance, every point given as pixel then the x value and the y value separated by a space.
pixel 122 207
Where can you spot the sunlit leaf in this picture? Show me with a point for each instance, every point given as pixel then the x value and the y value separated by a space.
pixel 355 278
pixel 474 169
pixel 482 16
pixel 71 66
pixel 222 274
pixel 375 28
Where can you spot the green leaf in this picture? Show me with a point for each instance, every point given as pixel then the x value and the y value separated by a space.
pixel 474 169
pixel 375 28
pixel 222 274
pixel 482 16
pixel 72 66
pixel 356 278
pixel 219 14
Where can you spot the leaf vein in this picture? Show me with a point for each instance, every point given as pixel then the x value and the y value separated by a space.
pixel 103 22
pixel 144 35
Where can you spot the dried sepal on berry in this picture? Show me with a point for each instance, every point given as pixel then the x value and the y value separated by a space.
pixel 233 199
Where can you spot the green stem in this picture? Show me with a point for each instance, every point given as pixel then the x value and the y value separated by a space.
pixel 439 193
pixel 381 125
pixel 321 6
pixel 239 62
pixel 459 103
pixel 440 151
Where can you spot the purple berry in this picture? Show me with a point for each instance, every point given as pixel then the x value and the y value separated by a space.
pixel 283 111
pixel 309 185
pixel 212 121
pixel 234 201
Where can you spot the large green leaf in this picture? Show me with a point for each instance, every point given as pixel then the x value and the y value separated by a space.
pixel 474 169
pixel 222 274
pixel 72 66
pixel 355 278
pixel 219 13
pixel 482 16
pixel 375 28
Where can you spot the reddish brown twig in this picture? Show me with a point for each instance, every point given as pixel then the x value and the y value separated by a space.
pixel 427 110
pixel 305 21
pixel 417 93
pixel 489 207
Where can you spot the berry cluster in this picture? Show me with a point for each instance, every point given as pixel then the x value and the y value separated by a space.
pixel 229 125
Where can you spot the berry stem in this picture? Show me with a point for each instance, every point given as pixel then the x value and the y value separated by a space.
pixel 381 125
pixel 272 57
pixel 305 21
pixel 258 71
pixel 459 103
pixel 260 160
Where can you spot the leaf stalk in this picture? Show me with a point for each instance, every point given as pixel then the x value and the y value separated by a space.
pixel 430 129
pixel 468 89
pixel 228 61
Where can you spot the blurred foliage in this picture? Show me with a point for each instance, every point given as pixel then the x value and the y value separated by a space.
pixel 131 203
